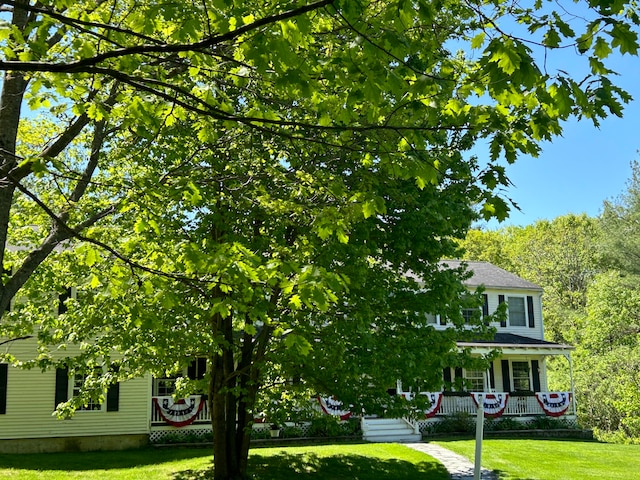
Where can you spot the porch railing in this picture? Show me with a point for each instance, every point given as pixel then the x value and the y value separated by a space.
pixel 202 417
pixel 517 405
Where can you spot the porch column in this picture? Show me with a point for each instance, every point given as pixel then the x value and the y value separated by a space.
pixel 573 392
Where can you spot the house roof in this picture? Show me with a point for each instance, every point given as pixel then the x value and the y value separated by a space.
pixel 515 343
pixel 487 274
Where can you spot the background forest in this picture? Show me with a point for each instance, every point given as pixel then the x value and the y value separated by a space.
pixel 590 271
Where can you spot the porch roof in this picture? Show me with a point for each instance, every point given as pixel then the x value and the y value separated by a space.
pixel 511 343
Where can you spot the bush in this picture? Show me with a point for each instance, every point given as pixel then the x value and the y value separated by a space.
pixel 549 423
pixel 460 422
pixel 330 426
pixel 504 423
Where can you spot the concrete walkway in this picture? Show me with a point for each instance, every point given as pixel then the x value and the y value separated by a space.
pixel 458 466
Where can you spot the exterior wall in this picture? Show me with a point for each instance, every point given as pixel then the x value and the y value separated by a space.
pixel 73 444
pixel 538 331
pixel 31 399
pixel 498 373
pixel 493 300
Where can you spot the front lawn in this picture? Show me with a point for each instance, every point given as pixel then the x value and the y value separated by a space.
pixel 336 462
pixel 554 459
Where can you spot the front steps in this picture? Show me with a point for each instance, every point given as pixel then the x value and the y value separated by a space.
pixel 389 430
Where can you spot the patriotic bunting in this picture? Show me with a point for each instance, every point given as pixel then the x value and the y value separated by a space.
pixel 435 398
pixel 492 403
pixel 554 404
pixel 179 413
pixel 331 406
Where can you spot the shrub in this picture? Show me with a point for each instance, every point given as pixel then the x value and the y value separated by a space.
pixel 504 423
pixel 330 426
pixel 460 422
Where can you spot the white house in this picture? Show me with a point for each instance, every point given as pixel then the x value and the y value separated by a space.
pixel 142 409
pixel 515 385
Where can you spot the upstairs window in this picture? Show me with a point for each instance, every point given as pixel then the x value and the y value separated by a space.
pixel 517 312
pixel 468 314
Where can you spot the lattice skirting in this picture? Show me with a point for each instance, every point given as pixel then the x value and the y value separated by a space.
pixel 260 430
pixel 158 436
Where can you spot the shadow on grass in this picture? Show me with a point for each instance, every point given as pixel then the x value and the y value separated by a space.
pixel 336 467
pixel 77 461
pixel 502 475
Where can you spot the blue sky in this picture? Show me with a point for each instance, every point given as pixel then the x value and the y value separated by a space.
pixel 577 172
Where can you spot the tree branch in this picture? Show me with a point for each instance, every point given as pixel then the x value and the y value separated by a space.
pixel 86 63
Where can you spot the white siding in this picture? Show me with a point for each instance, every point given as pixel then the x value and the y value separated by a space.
pixel 30 406
pixel 538 331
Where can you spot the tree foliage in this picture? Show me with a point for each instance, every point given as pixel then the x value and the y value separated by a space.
pixel 270 185
pixel 561 255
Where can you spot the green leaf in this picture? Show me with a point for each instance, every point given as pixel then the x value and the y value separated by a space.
pixel 91 256
pixel 478 41
pixel 601 48
pixel 623 38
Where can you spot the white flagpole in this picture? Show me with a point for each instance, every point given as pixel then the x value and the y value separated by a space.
pixel 479 435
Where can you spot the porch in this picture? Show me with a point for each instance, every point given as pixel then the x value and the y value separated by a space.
pixel 190 417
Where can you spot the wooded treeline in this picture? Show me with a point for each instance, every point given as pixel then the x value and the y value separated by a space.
pixel 589 268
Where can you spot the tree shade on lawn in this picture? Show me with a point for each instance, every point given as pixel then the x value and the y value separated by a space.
pixel 336 462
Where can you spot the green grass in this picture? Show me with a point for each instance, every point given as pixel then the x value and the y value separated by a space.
pixel 554 459
pixel 335 462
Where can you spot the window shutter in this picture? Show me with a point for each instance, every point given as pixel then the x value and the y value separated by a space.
pixel 458 372
pixel 62 386
pixel 532 322
pixel 485 305
pixel 7 271
pixel 4 373
pixel 503 323
pixel 535 369
pixel 446 376
pixel 506 377
pixel 202 367
pixel 191 370
pixel 113 398
pixel 492 377
pixel 63 297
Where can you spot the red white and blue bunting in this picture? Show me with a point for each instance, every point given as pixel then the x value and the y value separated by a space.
pixel 492 403
pixel 332 406
pixel 179 413
pixel 554 404
pixel 436 399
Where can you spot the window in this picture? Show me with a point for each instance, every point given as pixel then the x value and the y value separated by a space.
pixel 163 387
pixel 468 314
pixel 76 386
pixel 521 376
pixel 474 380
pixel 432 319
pixel 68 386
pixel 517 312
pixel 197 368
pixel 4 373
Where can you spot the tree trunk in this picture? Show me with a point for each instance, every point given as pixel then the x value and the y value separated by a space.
pixel 230 435
pixel 233 389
